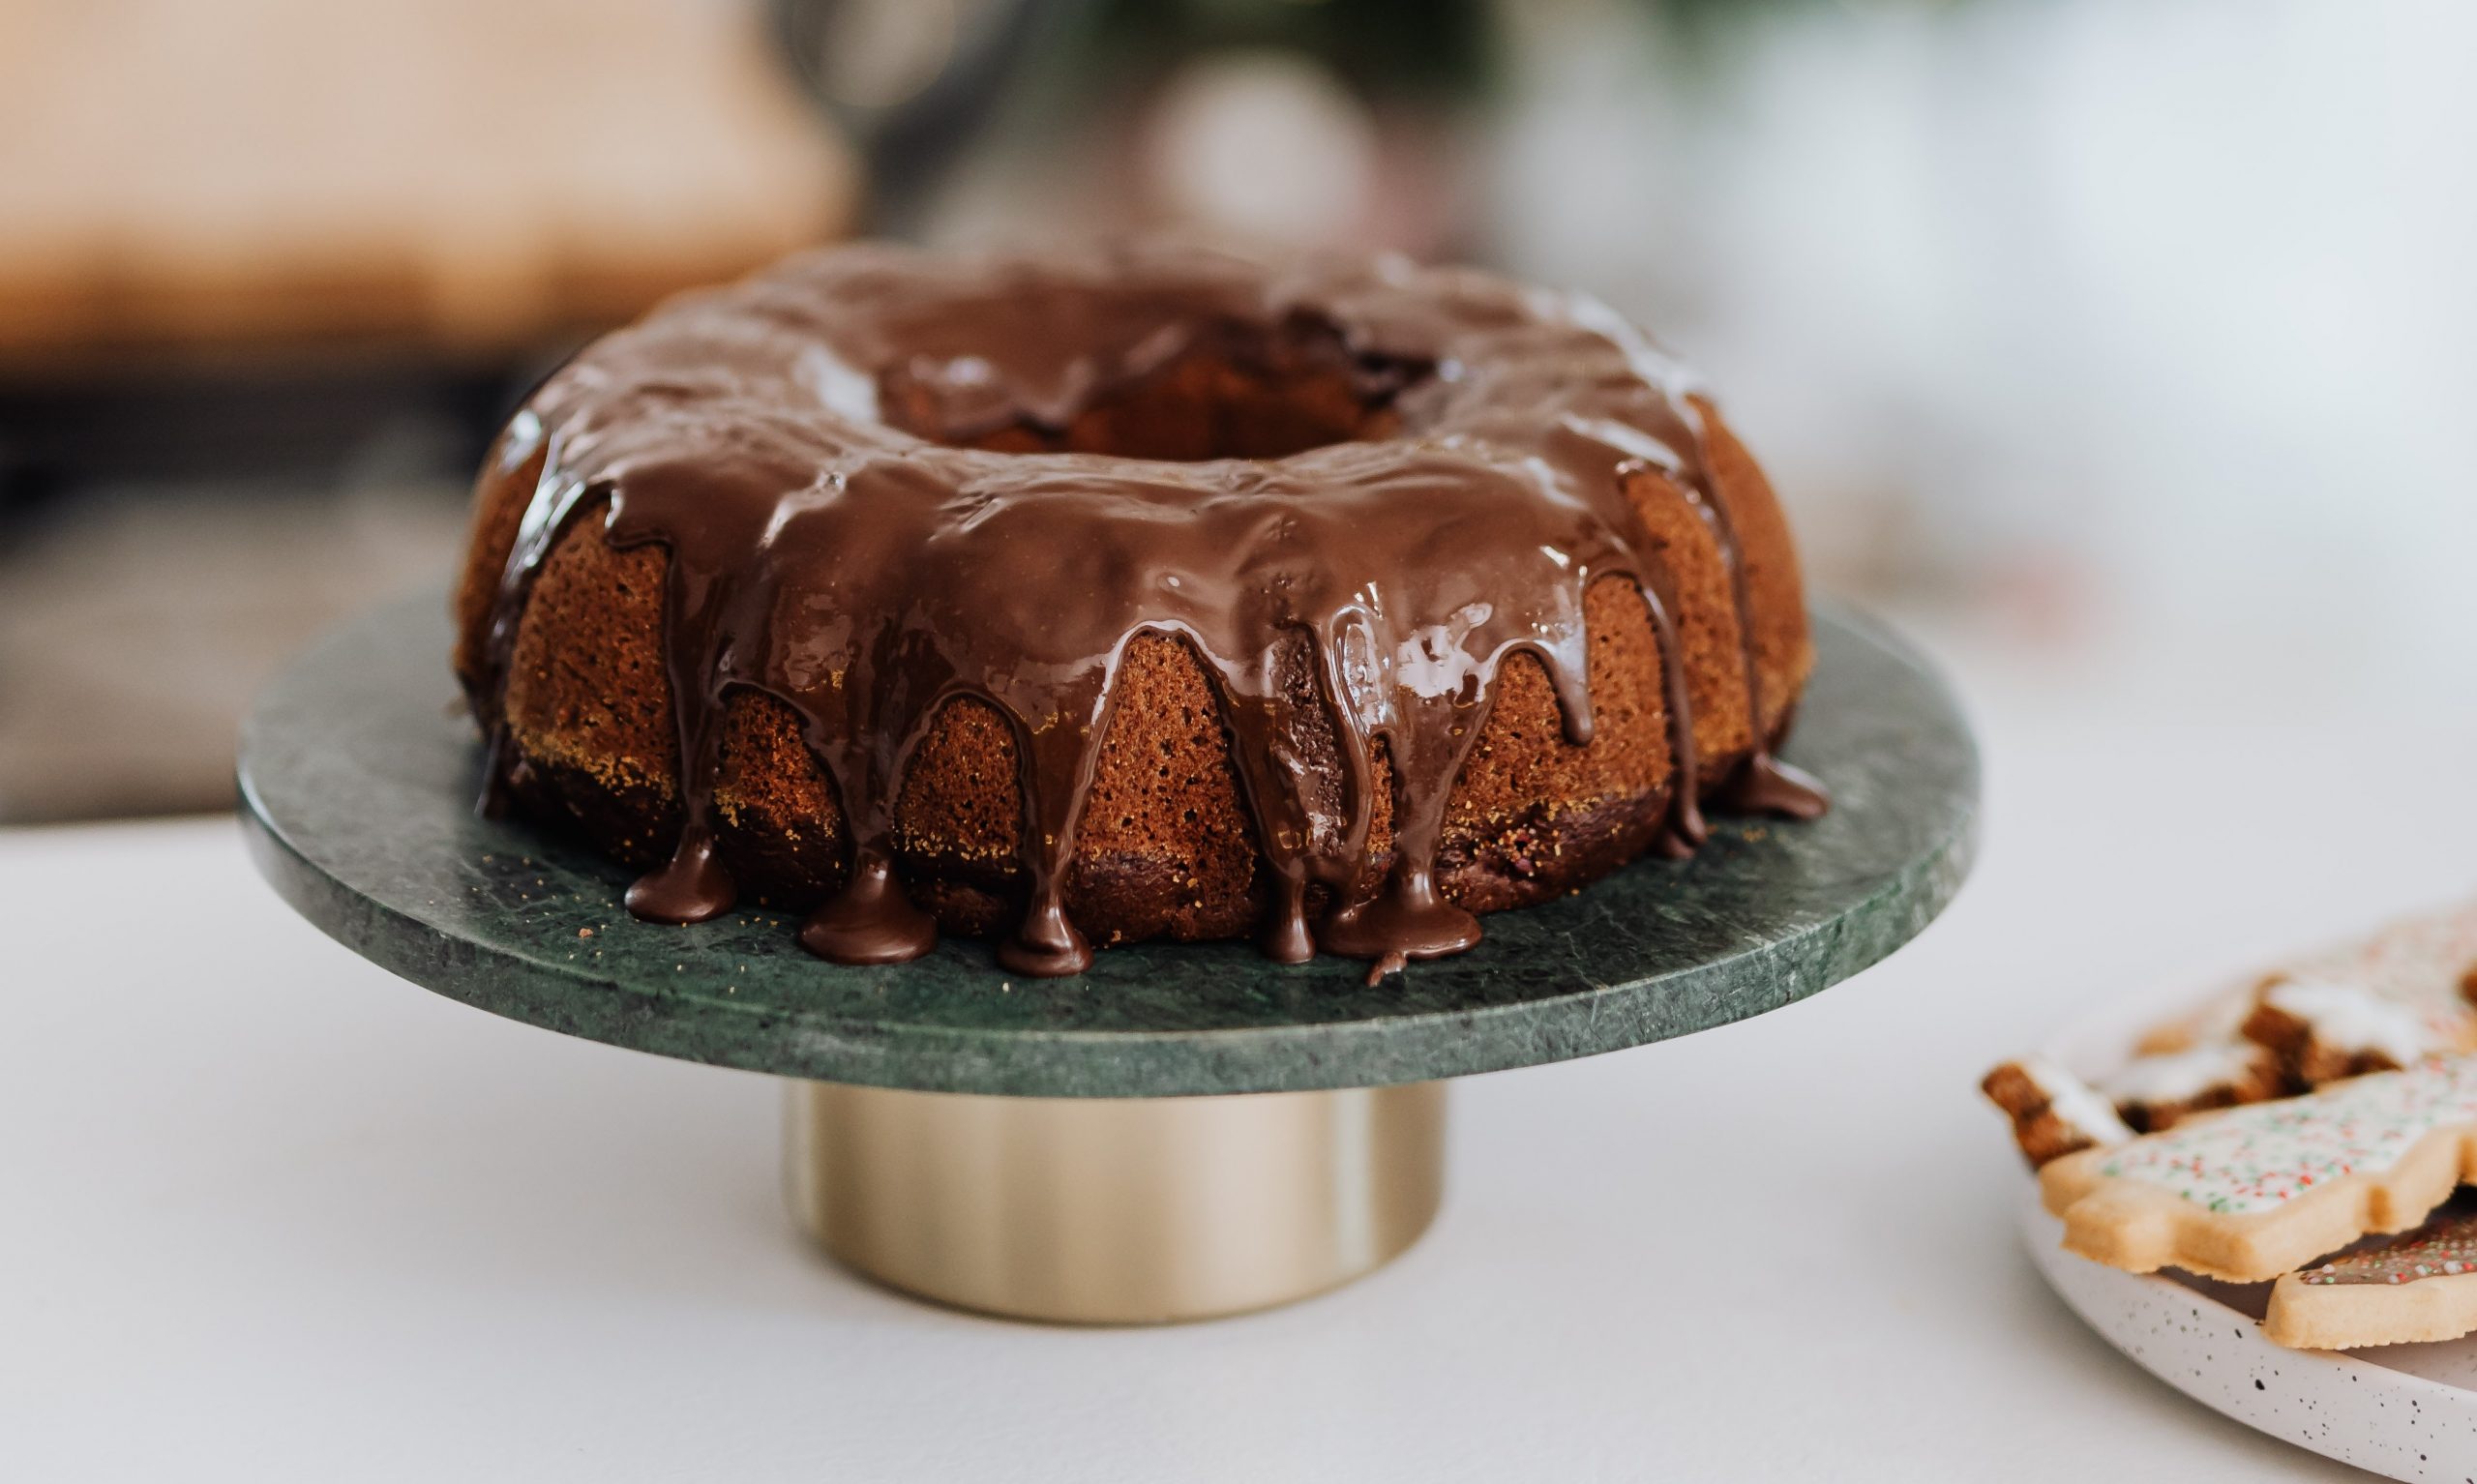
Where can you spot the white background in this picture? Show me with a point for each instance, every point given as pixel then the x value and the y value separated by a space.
pixel 2147 307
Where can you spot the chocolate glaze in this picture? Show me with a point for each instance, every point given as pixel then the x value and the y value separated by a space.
pixel 1366 589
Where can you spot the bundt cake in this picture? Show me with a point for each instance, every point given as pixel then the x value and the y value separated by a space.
pixel 1087 597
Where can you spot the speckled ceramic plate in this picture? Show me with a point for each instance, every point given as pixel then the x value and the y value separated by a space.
pixel 358 777
pixel 2407 1412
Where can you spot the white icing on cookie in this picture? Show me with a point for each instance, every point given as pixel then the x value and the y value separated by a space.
pixel 2070 1100
pixel 2224 1018
pixel 2264 1154
pixel 2180 1077
pixel 2417 962
pixel 2350 1018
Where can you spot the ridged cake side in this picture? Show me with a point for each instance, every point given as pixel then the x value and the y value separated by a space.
pixel 1167 846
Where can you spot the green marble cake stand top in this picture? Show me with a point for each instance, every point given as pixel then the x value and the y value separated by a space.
pixel 358 776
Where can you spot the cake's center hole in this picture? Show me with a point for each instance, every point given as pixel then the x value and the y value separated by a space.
pixel 1184 394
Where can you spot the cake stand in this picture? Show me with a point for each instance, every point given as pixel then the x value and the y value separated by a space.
pixel 1185 1130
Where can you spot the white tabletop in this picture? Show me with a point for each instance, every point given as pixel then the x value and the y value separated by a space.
pixel 271 1214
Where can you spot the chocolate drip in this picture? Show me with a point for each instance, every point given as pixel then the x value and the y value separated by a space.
pixel 1765 785
pixel 1762 783
pixel 1357 598
pixel 870 920
pixel 1685 829
pixel 697 659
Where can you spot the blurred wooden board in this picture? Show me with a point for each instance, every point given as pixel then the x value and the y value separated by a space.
pixel 468 173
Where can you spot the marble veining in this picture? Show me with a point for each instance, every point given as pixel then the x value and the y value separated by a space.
pixel 357 777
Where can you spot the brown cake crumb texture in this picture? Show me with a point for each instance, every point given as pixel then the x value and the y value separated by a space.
pixel 1167 846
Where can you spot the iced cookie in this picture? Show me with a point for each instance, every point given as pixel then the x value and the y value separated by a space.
pixel 2213 1023
pixel 2419 1286
pixel 2054 1112
pixel 2424 964
pixel 2324 1029
pixel 2158 1091
pixel 2420 960
pixel 2257 1190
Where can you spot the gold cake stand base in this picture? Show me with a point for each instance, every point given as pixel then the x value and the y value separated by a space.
pixel 1115 1210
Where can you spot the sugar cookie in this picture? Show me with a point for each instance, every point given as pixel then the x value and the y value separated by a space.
pixel 2158 1091
pixel 2426 964
pixel 2421 1285
pixel 2324 1029
pixel 2054 1112
pixel 2250 1194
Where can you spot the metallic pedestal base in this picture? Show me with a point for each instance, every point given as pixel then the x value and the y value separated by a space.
pixel 1115 1210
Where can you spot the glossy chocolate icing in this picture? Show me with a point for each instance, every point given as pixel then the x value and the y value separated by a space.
pixel 1365 590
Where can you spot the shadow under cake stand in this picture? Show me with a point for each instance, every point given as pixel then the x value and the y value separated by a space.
pixel 1185 1130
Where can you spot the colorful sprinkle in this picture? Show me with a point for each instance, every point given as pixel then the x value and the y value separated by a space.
pixel 2445 1247
pixel 2259 1156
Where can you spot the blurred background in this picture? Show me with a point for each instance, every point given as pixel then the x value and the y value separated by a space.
pixel 2122 348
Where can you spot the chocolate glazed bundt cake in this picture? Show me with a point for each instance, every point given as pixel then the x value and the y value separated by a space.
pixel 1086 599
